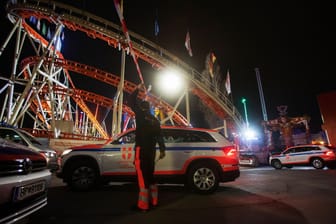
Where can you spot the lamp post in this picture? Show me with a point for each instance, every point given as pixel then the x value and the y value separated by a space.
pixel 245 110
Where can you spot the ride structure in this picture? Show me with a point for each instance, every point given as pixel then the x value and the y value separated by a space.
pixel 280 133
pixel 41 88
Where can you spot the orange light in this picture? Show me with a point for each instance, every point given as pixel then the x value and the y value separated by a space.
pixel 318 142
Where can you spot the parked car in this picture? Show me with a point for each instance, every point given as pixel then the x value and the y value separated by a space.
pixel 199 158
pixel 24 180
pixel 317 156
pixel 253 157
pixel 22 137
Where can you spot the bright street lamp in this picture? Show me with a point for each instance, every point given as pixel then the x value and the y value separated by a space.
pixel 170 83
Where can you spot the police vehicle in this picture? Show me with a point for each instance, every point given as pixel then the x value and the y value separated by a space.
pixel 317 156
pixel 198 158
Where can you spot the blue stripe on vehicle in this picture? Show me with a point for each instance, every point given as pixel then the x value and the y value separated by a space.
pixel 300 154
pixel 167 149
pixel 191 148
pixel 97 150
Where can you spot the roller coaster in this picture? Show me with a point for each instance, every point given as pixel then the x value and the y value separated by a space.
pixel 40 87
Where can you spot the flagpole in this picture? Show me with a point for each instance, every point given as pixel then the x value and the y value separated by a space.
pixel 261 95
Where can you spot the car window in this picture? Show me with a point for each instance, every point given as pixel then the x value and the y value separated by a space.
pixel 129 138
pixel 301 149
pixel 292 150
pixel 12 136
pixel 315 148
pixel 177 136
pixel 32 139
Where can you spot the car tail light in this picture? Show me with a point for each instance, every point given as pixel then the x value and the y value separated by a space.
pixel 330 153
pixel 230 151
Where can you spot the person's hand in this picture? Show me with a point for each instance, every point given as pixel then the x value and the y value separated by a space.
pixel 141 86
pixel 162 155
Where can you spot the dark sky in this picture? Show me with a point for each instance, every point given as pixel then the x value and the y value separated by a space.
pixel 284 39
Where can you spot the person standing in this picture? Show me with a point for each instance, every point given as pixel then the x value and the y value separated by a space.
pixel 147 135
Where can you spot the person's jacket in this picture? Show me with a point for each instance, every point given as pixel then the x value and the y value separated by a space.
pixel 148 130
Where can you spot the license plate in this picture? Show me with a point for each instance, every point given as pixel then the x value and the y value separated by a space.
pixel 29 190
pixel 245 161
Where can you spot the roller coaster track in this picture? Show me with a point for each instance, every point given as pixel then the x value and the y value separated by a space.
pixel 105 77
pixel 99 28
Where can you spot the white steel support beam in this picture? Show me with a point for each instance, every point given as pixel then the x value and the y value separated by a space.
pixel 32 79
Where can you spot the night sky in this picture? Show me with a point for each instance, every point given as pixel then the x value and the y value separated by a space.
pixel 285 40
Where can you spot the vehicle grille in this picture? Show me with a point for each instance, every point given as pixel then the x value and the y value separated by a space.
pixel 21 166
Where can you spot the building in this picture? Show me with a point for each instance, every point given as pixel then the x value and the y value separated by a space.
pixel 327 107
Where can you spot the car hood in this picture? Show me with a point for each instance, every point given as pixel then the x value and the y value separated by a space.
pixel 10 150
pixel 89 146
pixel 43 148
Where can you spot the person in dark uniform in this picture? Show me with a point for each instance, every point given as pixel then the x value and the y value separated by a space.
pixel 147 135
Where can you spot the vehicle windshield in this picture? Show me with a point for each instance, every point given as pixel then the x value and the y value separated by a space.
pixel 33 140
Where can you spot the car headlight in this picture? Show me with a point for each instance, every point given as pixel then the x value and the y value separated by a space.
pixel 65 152
pixel 49 154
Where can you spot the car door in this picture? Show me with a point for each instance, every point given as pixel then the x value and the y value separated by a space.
pixel 289 156
pixel 302 155
pixel 181 147
pixel 118 156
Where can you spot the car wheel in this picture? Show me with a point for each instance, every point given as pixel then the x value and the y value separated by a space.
pixel 317 163
pixel 203 178
pixel 82 176
pixel 276 164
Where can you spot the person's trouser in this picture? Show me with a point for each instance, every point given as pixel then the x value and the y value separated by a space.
pixel 148 191
pixel 153 194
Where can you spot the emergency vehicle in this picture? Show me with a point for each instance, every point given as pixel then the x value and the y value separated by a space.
pixel 198 158
pixel 317 156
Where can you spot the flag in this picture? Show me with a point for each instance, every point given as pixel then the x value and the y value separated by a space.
pixel 49 34
pixel 32 19
pixel 44 29
pixel 156 23
pixel 228 83
pixel 187 44
pixel 156 27
pixel 211 62
pixel 38 25
pixel 58 43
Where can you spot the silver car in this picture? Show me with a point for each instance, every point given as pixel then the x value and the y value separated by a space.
pixel 24 181
pixel 198 158
pixel 317 156
pixel 24 138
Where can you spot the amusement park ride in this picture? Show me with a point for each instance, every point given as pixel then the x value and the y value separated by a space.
pixel 41 89
pixel 279 133
pixel 285 126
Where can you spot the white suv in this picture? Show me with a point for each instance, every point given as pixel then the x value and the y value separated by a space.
pixel 317 156
pixel 199 158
